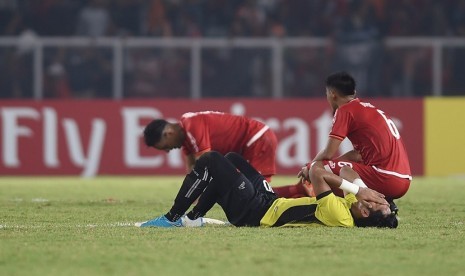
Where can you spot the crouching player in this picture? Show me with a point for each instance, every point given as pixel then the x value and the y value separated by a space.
pixel 248 200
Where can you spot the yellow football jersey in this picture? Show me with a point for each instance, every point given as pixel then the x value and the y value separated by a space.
pixel 328 209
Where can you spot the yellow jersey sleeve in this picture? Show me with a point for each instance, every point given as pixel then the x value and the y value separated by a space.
pixel 335 211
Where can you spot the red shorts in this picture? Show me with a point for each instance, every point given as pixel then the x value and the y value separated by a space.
pixel 262 154
pixel 390 185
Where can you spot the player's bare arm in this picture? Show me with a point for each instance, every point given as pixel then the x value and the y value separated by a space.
pixel 329 151
pixel 323 181
pixel 352 155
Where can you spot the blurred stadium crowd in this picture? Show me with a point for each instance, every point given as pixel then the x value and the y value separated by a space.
pixel 219 18
pixel 86 73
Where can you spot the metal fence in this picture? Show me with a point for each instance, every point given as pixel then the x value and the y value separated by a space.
pixel 81 67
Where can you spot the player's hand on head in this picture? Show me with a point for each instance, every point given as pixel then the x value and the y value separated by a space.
pixel 367 195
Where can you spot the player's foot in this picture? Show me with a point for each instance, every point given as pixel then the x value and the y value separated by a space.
pixel 160 221
pixel 186 222
pixel 308 187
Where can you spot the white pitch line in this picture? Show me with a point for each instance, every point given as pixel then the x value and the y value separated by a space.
pixel 104 225
pixel 207 221
pixel 118 224
pixel 215 221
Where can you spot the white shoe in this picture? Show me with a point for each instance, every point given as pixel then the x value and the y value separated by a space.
pixel 186 222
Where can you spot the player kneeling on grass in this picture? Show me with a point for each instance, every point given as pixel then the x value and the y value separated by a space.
pixel 248 200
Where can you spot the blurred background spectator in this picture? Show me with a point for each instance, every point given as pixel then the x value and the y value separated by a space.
pixel 94 19
pixel 356 29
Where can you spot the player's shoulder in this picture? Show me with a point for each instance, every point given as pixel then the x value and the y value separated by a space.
pixel 357 105
pixel 366 104
pixel 202 114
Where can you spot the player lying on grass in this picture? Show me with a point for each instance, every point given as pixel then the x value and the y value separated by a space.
pixel 248 200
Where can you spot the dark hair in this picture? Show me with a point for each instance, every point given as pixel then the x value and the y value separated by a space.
pixel 342 82
pixel 377 219
pixel 153 131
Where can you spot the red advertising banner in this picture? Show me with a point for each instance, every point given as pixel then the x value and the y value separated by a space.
pixel 102 137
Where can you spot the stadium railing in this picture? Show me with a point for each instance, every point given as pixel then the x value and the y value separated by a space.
pixel 276 46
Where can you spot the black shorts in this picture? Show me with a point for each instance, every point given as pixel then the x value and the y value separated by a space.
pixel 248 198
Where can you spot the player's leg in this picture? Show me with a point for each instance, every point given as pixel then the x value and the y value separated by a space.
pixel 391 186
pixel 228 187
pixel 209 170
pixel 244 167
pixel 199 182
pixel 258 181
pixel 193 185
pixel 206 201
pixel 351 175
pixel 299 189
pixel 243 201
pixel 213 176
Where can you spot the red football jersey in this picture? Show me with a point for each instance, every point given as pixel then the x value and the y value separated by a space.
pixel 222 132
pixel 374 135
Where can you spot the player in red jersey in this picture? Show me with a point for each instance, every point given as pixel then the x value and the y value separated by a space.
pixel 200 132
pixel 379 155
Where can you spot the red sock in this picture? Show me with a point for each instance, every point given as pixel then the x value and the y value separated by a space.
pixel 290 191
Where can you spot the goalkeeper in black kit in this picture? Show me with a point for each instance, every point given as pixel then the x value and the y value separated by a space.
pixel 248 200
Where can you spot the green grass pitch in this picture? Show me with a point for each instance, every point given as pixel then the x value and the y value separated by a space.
pixel 74 226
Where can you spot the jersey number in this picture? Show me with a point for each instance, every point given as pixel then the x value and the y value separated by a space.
pixel 267 186
pixel 390 124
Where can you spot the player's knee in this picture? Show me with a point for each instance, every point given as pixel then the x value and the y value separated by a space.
pixel 316 170
pixel 316 167
pixel 232 156
pixel 214 155
pixel 209 156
